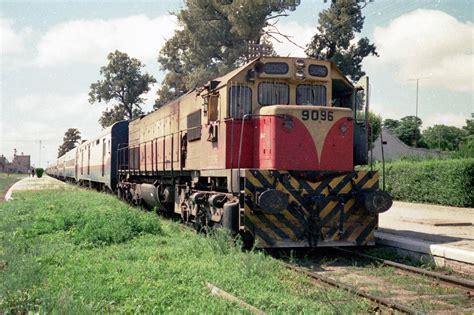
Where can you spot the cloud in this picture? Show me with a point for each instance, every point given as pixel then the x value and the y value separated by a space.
pixel 301 34
pixel 47 117
pixel 12 41
pixel 89 41
pixel 448 119
pixel 429 43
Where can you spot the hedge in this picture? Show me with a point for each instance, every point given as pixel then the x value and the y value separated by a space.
pixel 446 182
pixel 39 172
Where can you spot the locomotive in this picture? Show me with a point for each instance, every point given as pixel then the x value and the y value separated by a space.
pixel 267 151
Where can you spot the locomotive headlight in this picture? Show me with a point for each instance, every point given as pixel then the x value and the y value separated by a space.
pixel 299 74
pixel 299 63
pixel 344 127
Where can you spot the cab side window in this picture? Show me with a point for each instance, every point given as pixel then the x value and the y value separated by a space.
pixel 240 101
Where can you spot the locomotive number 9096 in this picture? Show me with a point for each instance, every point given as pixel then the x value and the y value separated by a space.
pixel 317 115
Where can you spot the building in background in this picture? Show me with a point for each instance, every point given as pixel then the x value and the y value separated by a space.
pixel 395 149
pixel 20 164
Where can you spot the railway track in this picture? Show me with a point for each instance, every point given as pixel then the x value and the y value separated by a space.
pixel 351 289
pixel 453 290
pixel 446 279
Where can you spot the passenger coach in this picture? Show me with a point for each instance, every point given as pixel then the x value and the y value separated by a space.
pixel 94 162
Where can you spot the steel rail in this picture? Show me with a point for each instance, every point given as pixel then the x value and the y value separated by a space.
pixel 464 283
pixel 386 302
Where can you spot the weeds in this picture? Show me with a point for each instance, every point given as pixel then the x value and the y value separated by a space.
pixel 85 252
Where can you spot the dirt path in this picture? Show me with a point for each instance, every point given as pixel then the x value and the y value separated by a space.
pixel 7 181
pixel 35 183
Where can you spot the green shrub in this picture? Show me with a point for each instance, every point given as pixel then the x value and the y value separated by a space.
pixel 39 172
pixel 89 223
pixel 445 182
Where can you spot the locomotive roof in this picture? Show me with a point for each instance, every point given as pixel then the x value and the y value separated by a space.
pixel 227 77
pixel 223 80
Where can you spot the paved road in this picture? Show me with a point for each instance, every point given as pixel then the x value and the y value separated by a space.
pixel 35 183
pixel 448 226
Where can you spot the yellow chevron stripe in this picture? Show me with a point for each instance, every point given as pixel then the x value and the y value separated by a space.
pixel 357 231
pixel 371 182
pixel 336 181
pixel 283 227
pixel 360 175
pixel 346 188
pixel 327 209
pixel 289 216
pixel 253 180
pixel 260 225
pixel 348 205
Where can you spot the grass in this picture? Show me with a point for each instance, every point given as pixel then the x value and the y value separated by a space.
pixel 86 252
pixel 6 181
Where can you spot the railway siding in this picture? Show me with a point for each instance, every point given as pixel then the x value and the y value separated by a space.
pixel 392 285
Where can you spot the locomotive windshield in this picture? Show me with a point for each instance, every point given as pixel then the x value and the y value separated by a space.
pixel 272 93
pixel 240 100
pixel 308 94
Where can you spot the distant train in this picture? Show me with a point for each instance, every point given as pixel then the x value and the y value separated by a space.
pixel 267 151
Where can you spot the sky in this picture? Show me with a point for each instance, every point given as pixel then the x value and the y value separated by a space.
pixel 51 51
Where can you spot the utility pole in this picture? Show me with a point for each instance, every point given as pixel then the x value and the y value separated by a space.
pixel 416 107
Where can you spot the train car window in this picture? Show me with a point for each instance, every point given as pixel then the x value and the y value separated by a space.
pixel 240 101
pixel 311 94
pixel 271 93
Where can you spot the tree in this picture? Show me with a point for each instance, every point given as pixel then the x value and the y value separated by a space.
pixel 123 82
pixel 446 138
pixel 375 122
pixel 409 130
pixel 405 129
pixel 391 124
pixel 336 29
pixel 466 149
pixel 213 38
pixel 112 115
pixel 72 137
pixel 469 128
